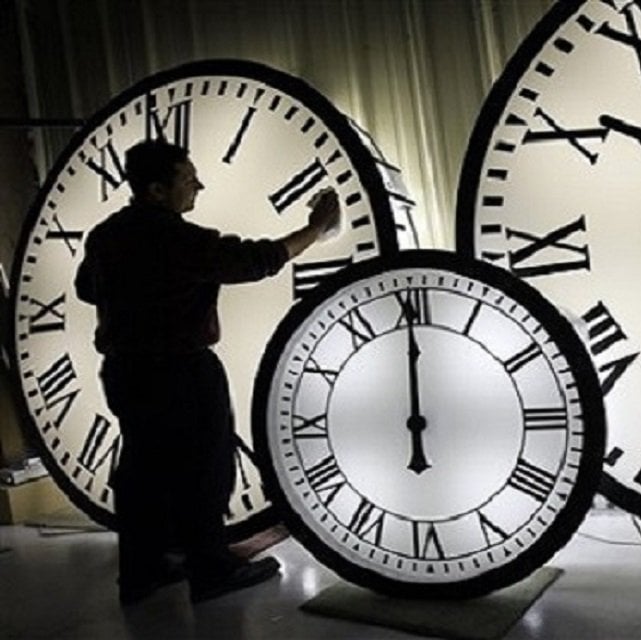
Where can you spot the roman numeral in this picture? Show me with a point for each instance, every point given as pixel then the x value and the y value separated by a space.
pixel 47 316
pixel 491 531
pixel 604 332
pixel 473 316
pixel 70 238
pixel 173 126
pixel 57 388
pixel 99 447
pixel 614 370
pixel 311 274
pixel 518 260
pixel 532 480
pixel 298 186
pixel 326 479
pixel 367 522
pixel 359 327
pixel 629 37
pixel 545 419
pixel 523 357
pixel 573 137
pixel 108 167
pixel 243 456
pixel 315 427
pixel 240 134
pixel 414 304
pixel 425 541
pixel 328 374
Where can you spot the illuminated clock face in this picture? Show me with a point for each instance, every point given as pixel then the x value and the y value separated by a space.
pixel 550 190
pixel 263 142
pixel 429 426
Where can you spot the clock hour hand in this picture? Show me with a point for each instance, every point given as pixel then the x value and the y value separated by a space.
pixel 621 126
pixel 416 423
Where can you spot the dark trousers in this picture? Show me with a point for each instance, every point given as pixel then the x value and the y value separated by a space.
pixel 176 469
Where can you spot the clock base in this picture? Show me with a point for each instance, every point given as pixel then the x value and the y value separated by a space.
pixel 489 616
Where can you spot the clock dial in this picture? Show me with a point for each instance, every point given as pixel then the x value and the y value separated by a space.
pixel 429 426
pixel 263 142
pixel 550 191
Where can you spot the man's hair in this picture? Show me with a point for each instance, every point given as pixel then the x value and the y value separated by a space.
pixel 152 161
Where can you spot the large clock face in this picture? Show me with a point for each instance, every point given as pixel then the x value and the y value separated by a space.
pixel 429 426
pixel 550 190
pixel 263 143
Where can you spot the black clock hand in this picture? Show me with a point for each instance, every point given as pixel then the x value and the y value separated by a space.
pixel 621 126
pixel 416 423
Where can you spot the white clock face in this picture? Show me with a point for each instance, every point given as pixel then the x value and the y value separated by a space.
pixel 428 426
pixel 263 143
pixel 550 190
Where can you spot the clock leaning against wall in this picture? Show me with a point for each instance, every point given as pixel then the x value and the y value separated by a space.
pixel 551 190
pixel 263 142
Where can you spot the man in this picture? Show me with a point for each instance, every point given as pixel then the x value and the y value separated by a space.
pixel 154 279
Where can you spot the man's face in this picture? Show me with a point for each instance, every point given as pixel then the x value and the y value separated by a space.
pixel 181 194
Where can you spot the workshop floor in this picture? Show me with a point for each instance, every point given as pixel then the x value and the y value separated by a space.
pixel 63 587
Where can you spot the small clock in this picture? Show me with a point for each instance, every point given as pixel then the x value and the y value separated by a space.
pixel 263 142
pixel 550 190
pixel 429 425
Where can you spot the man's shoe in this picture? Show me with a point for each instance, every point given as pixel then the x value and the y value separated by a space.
pixel 132 593
pixel 245 575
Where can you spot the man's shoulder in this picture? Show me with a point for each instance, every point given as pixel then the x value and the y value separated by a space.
pixel 128 216
pixel 136 220
pixel 116 225
pixel 112 219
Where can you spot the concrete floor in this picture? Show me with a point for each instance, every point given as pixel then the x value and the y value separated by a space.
pixel 63 587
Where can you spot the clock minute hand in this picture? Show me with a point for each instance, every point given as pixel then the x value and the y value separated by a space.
pixel 416 423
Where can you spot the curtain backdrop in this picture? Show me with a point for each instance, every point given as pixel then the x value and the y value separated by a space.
pixel 413 73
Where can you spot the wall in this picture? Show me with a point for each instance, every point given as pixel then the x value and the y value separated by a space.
pixel 412 72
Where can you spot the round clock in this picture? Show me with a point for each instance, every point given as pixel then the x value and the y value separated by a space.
pixel 550 190
pixel 429 426
pixel 263 142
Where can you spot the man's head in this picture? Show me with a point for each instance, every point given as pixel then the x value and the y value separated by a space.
pixel 162 173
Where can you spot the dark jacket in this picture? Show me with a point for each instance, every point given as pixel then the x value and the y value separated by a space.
pixel 155 278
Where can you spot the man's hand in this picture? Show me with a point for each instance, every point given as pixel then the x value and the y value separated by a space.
pixel 324 219
pixel 326 211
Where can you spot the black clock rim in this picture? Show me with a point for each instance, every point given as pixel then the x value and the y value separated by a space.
pixel 558 327
pixel 488 118
pixel 470 175
pixel 337 122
